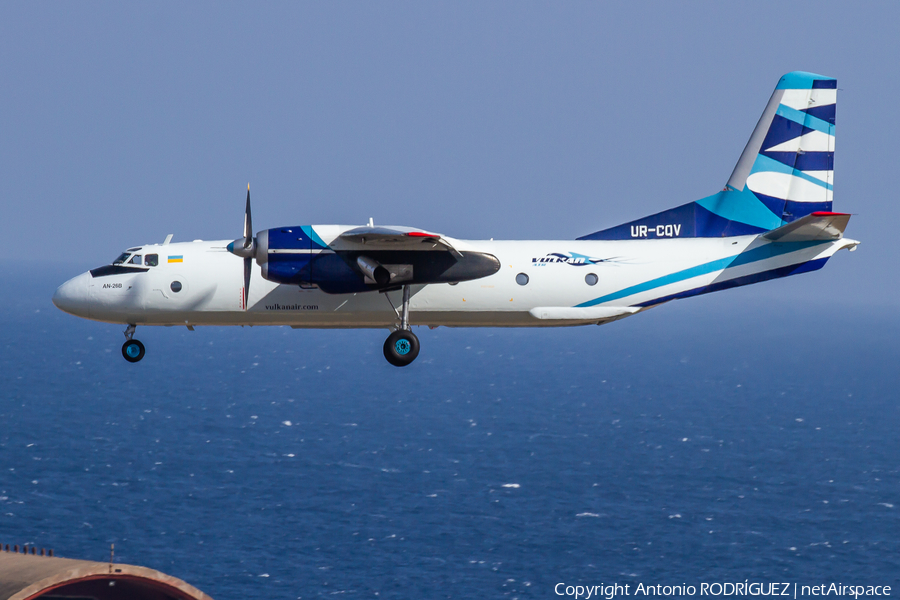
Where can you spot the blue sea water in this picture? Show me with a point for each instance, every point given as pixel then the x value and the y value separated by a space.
pixel 722 438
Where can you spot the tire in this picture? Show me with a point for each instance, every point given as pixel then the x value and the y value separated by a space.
pixel 133 351
pixel 401 348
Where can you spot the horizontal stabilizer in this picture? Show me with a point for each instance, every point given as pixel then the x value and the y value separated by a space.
pixel 815 226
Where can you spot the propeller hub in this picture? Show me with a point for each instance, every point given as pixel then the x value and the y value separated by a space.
pixel 243 247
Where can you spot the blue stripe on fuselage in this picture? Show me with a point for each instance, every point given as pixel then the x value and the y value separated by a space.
pixel 806 267
pixel 769 250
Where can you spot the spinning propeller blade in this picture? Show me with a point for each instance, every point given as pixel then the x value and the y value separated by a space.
pixel 248 242
pixel 248 222
pixel 246 248
pixel 248 264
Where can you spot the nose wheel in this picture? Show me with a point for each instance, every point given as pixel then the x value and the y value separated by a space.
pixel 402 346
pixel 132 349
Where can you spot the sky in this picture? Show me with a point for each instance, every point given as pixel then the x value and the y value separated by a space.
pixel 123 122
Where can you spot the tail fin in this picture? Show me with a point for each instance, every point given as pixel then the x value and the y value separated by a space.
pixel 785 172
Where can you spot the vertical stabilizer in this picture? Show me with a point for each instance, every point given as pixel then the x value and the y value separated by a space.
pixel 785 172
pixel 789 161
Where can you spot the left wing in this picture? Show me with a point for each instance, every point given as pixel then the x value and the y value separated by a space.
pixel 395 238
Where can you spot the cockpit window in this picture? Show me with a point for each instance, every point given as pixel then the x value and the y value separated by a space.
pixel 122 258
pixel 152 260
pixel 135 260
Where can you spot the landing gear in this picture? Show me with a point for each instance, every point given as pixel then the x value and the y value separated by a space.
pixel 132 350
pixel 402 346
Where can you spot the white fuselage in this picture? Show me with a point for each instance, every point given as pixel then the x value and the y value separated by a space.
pixel 630 275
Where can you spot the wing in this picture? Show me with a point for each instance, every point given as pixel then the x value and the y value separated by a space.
pixel 387 257
pixel 396 238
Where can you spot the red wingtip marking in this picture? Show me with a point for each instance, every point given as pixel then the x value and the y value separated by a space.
pixel 823 213
pixel 420 234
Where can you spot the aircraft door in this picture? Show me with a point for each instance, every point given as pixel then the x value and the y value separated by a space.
pixel 167 285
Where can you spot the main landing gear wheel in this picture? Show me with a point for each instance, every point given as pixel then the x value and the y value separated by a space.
pixel 401 348
pixel 133 350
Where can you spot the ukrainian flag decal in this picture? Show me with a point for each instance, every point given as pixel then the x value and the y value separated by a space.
pixel 176 259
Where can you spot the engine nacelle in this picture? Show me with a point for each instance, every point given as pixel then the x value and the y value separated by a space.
pixel 297 256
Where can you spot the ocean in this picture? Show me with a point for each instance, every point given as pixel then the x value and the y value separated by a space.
pixel 731 437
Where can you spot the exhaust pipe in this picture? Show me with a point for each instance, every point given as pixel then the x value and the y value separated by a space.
pixel 373 270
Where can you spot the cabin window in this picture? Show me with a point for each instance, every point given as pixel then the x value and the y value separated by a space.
pixel 176 286
pixel 522 279
pixel 591 279
pixel 152 260
pixel 135 260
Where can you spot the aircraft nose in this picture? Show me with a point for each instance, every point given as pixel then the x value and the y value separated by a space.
pixel 73 296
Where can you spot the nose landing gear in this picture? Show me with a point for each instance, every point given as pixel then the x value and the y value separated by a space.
pixel 132 350
pixel 402 346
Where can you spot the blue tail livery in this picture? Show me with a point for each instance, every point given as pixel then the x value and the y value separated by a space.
pixel 785 172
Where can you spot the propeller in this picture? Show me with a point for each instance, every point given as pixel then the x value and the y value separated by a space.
pixel 249 242
pixel 245 248
pixel 248 265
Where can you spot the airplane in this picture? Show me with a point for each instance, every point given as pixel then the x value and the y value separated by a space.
pixel 772 219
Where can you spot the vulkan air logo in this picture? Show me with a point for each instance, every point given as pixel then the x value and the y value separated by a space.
pixel 569 258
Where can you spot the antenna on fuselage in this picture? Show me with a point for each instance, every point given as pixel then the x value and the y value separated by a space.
pixel 168 239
